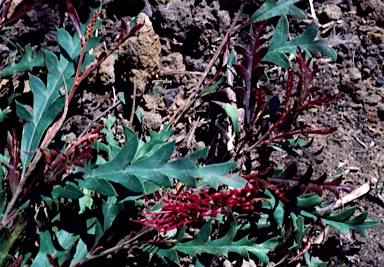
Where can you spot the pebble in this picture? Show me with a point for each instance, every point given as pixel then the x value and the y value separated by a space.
pixel 373 99
pixel 380 81
pixel 380 111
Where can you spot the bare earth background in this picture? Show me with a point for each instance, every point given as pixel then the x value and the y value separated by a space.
pixel 186 34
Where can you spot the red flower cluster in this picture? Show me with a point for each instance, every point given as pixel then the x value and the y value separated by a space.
pixel 192 205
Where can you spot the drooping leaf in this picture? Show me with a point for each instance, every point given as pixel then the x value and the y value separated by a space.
pixel 279 45
pixel 273 8
pixel 218 247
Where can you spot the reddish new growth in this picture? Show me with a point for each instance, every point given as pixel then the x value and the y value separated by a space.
pixel 193 205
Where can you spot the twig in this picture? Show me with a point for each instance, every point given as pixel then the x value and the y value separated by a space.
pixel 313 13
pixel 182 109
pixel 179 72
pixel 359 141
pixel 133 104
pixel 117 247
pixel 98 117
pixel 362 190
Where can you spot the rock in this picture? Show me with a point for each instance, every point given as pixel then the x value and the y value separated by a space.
pixel 106 71
pixel 140 79
pixel 176 18
pixel 380 112
pixel 332 12
pixel 373 99
pixel 174 65
pixel 354 74
pixel 376 7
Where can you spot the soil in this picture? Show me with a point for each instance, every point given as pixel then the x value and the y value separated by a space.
pixel 169 54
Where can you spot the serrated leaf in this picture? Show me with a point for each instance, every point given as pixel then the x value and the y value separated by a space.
pixel 155 168
pixel 280 46
pixel 344 227
pixel 26 63
pixel 219 247
pixel 214 174
pixel 273 8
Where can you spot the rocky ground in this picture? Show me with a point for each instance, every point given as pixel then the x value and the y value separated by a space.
pixel 168 56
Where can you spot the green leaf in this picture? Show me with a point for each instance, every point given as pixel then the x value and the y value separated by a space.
pixel 232 113
pixel 47 103
pixel 215 174
pixel 70 191
pixel 309 200
pixel 280 46
pixel 218 247
pixel 47 247
pixel 211 88
pixel 92 42
pixel 66 239
pixel 358 223
pixel 300 232
pixel 149 166
pixel 101 186
pixel 343 215
pixel 278 210
pixel 26 63
pixel 24 112
pixel 111 209
pixel 273 8
pixel 45 109
pixel 70 45
pixel 81 252
pixel 3 114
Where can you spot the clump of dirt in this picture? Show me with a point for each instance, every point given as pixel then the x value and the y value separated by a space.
pixel 139 55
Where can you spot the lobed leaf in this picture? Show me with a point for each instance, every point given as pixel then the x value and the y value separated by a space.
pixel 273 8
pixel 136 167
pixel 218 247
pixel 280 46
pixel 26 63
